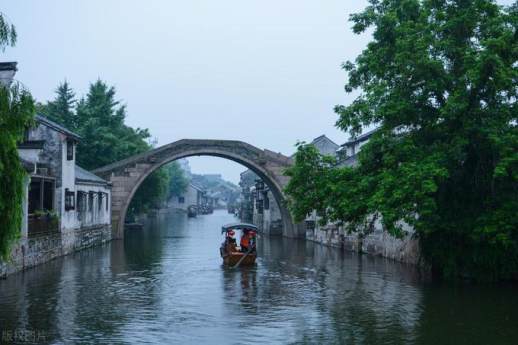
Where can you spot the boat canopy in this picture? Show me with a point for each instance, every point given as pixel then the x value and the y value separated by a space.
pixel 238 226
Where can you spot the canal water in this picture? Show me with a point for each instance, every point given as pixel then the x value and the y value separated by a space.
pixel 165 284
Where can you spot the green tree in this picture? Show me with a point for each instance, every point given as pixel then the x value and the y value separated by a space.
pixel 158 187
pixel 62 108
pixel 151 193
pixel 439 79
pixel 99 119
pixel 8 34
pixel 178 182
pixel 309 182
pixel 100 123
pixel 16 114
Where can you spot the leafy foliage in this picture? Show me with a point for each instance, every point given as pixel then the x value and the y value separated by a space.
pixel 159 186
pixel 8 34
pixel 62 108
pixel 178 182
pixel 16 114
pixel 100 123
pixel 99 119
pixel 309 182
pixel 151 193
pixel 439 79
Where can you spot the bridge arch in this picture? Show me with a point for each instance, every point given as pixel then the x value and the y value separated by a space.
pixel 128 174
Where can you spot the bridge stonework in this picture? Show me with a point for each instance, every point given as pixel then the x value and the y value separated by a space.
pixel 127 175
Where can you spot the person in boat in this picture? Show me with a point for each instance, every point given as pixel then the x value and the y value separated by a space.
pixel 231 242
pixel 247 241
pixel 252 239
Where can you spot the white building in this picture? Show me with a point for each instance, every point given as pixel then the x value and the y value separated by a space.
pixel 348 152
pixel 193 195
pixel 59 189
pixel 259 204
pixel 325 145
pixel 67 208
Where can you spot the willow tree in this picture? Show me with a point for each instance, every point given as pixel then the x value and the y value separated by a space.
pixel 16 113
pixel 439 80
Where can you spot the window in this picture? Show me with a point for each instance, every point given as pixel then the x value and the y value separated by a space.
pixel 181 200
pixel 259 206
pixel 70 150
pixel 107 201
pixel 34 196
pixel 81 204
pixel 91 201
pixel 48 195
pixel 81 201
pixel 41 194
pixel 70 201
pixel 266 202
pixel 100 201
pixel 310 225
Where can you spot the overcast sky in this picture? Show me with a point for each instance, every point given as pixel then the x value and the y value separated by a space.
pixel 262 71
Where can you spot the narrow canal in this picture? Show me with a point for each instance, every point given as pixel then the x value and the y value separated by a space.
pixel 165 284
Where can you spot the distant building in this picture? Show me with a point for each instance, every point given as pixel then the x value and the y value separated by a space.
pixel 223 192
pixel 258 204
pixel 266 211
pixel 348 152
pixel 213 177
pixel 184 165
pixel 325 145
pixel 193 195
pixel 247 183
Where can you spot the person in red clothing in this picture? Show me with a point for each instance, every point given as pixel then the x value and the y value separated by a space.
pixel 245 242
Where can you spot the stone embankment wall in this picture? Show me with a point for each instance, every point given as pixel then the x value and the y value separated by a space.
pixel 36 250
pixel 378 243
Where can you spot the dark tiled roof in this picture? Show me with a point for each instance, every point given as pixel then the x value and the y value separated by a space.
pixel 197 187
pixel 44 120
pixel 8 66
pixel 83 175
pixel 324 137
pixel 361 138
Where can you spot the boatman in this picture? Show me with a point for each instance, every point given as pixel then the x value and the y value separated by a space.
pixel 251 240
pixel 231 242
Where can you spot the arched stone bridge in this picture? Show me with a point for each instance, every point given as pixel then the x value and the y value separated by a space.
pixel 127 175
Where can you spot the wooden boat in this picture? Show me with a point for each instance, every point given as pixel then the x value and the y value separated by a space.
pixel 233 258
pixel 230 253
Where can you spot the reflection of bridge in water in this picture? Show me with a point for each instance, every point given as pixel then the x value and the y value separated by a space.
pixel 127 175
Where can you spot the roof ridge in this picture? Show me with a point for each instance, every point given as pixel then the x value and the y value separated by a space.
pixel 56 126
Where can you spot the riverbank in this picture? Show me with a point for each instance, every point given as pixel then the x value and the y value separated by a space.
pixel 39 249
pixel 376 243
pixel 160 286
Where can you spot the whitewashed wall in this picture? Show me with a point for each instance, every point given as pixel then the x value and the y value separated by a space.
pixel 96 216
pixel 68 178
